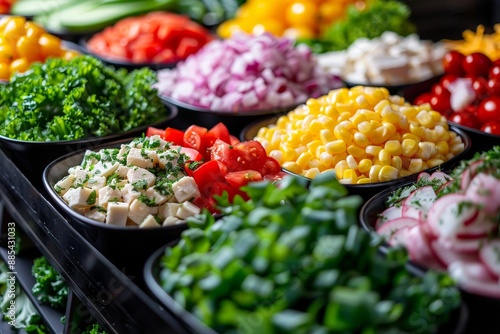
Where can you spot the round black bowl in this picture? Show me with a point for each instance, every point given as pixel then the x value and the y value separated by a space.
pixel 118 62
pixel 367 190
pixel 127 247
pixel 234 121
pixel 31 157
pixel 395 89
pixel 481 310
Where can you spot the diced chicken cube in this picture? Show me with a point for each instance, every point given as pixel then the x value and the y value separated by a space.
pixel 168 209
pixel 142 158
pixel 62 186
pixel 187 209
pixel 117 214
pixel 185 189
pixel 149 222
pixel 77 198
pixel 108 194
pixel 139 211
pixel 140 178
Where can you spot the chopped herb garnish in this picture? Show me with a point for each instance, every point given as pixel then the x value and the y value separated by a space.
pixel 92 197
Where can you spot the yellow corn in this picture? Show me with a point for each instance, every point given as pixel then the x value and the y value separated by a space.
pixel 409 147
pixel 409 111
pixel 349 176
pixel 416 165
pixel 355 151
pixel 336 146
pixel 397 162
pixel 304 159
pixel 365 127
pixel 277 155
pixel 380 135
pixel 388 173
pixel 281 122
pixel 364 165
pixel 442 147
pixel 404 172
pixel 313 145
pixel 417 130
pixel 360 139
pixel 431 135
pixel 342 133
pixel 434 162
pixel 326 136
pixel 426 150
pixel 289 153
pixel 393 147
pixel 381 105
pixel 385 157
pixel 374 173
pixel 457 148
pixel 357 118
pixel 363 180
pixel 351 162
pixel 409 135
pixel 299 150
pixel 292 166
pixel 331 112
pixel 373 150
pixel 312 172
pixel 326 159
pixel 361 101
pixel 314 105
pixel 338 157
pixel 390 115
pixel 425 119
pixel 340 167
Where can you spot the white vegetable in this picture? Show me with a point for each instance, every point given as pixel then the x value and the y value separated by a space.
pixel 117 214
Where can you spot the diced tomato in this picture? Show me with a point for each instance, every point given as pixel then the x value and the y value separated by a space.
pixel 275 176
pixel 187 46
pixel 174 136
pixel 193 137
pixel 252 155
pixel 226 154
pixel 270 166
pixel 209 172
pixel 151 131
pixel 242 178
pixel 218 131
pixel 233 140
pixel 207 202
pixel 193 154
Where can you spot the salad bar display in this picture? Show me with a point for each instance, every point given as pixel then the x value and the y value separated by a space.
pixel 202 166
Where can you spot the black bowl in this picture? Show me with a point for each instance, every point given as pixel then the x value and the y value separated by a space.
pixel 481 310
pixel 367 190
pixel 118 62
pixel 31 157
pixel 396 89
pixel 127 247
pixel 234 121
pixel 151 275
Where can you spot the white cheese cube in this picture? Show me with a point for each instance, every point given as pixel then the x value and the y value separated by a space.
pixel 96 182
pixel 106 169
pixel 129 194
pixel 117 214
pixel 138 211
pixel 171 221
pixel 77 198
pixel 108 194
pixel 157 138
pixel 185 189
pixel 158 198
pixel 187 209
pixel 124 149
pixel 169 159
pixel 145 178
pixel 141 158
pixel 168 209
pixel 62 186
pixel 81 177
pixel 95 214
pixel 122 171
pixel 149 221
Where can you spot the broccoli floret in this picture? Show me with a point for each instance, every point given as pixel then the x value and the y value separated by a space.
pixel 50 286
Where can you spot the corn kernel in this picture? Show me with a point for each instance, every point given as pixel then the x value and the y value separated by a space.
pixel 388 173
pixel 390 115
pixel 380 135
pixel 336 146
pixel 364 165
pixel 374 173
pixel 416 166
pixel 315 163
pixel 304 159
pixel 355 151
pixel 292 167
pixel 403 173
pixel 373 150
pixel 281 122
pixel 351 162
pixel 277 155
pixel 315 126
pixel 409 135
pixel 426 150
pixel 395 136
pixel 363 180
pixel 312 173
pixel 385 157
pixel 397 162
pixel 375 94
pixel 360 139
pixel 409 147
pixel 340 167
pixel 326 136
pixel 326 159
pixel 425 119
pixel 306 138
pixel 361 101
pixel 342 133
pixel 409 111
pixel 289 153
pixel 417 130
pixel 442 147
pixel 301 149
pixel 370 115
pixel 338 157
pixel 346 106
pixel 364 127
pixel 436 116
pixel 331 112
pixel 320 149
pixel 457 148
pixel 434 162
pixel 381 105
pixel 350 176
pixel 313 145
pixel 393 147
pixel 313 105
pixel 357 118
pixel 328 122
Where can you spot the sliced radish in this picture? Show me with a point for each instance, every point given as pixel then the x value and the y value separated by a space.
pixel 421 199
pixel 465 178
pixel 419 250
pixel 423 176
pixel 440 176
pixel 468 279
pixel 490 257
pixel 399 237
pixel 477 227
pixel 388 214
pixel 484 190
pixel 447 256
pixel 389 228
pixel 448 214
pixel 470 246
pixel 411 212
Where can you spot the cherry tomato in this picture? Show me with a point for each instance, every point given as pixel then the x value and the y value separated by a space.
pixel 423 98
pixel 489 109
pixel 492 127
pixel 493 86
pixel 494 72
pixel 464 118
pixel 218 131
pixel 452 63
pixel 439 89
pixel 477 64
pixel 174 136
pixel 208 172
pixel 151 131
pixel 242 178
pixel 447 79
pixel 480 87
pixel 193 137
pixel 441 102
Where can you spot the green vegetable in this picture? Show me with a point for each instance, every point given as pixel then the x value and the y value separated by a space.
pixel 293 260
pixel 38 7
pixel 94 328
pixel 50 287
pixel 378 17
pixel 79 98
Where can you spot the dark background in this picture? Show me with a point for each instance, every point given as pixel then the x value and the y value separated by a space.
pixel 447 19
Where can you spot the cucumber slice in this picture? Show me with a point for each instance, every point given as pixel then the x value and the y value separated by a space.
pixel 38 7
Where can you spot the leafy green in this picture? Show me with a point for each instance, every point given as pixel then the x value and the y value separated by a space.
pixel 292 259
pixel 94 328
pixel 77 98
pixel 50 286
pixel 378 17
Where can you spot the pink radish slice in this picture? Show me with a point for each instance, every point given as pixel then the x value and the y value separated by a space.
pixel 388 228
pixel 419 250
pixel 447 256
pixel 388 214
pixel 477 228
pixel 470 246
pixel 448 214
pixel 399 237
pixel 421 199
pixel 465 178
pixel 468 279
pixel 484 190
pixel 490 257
pixel 423 176
pixel 440 176
pixel 411 212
